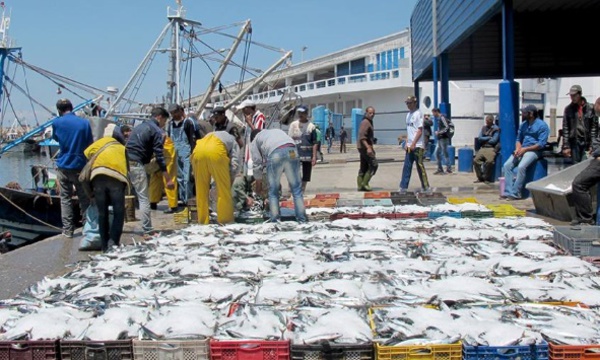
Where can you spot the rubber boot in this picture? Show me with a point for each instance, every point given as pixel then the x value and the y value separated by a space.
pixel 359 183
pixel 365 182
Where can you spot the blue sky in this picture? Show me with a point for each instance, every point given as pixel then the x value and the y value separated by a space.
pixel 102 42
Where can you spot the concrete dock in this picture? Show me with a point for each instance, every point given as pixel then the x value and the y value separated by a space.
pixel 55 256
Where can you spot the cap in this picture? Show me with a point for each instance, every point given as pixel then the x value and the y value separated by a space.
pixel 575 89
pixel 529 108
pixel 411 99
pixel 175 107
pixel 246 103
pixel 301 108
pixel 218 110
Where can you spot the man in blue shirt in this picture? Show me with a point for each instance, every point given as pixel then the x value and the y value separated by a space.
pixel 74 135
pixel 531 139
pixel 488 138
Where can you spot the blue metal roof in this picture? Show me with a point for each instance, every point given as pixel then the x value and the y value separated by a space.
pixel 553 38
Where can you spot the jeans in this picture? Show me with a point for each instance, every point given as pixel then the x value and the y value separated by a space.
pixel 139 180
pixel 109 191
pixel 285 160
pixel 442 149
pixel 514 184
pixel 577 150
pixel 411 157
pixel 329 145
pixel 67 180
pixel 582 198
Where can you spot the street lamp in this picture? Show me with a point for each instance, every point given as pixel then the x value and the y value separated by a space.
pixel 302 53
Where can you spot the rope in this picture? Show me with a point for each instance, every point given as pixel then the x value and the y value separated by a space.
pixel 28 214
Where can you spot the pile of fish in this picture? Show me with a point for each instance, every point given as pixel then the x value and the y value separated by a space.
pixel 400 282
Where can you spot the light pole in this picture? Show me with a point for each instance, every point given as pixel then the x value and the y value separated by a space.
pixel 302 53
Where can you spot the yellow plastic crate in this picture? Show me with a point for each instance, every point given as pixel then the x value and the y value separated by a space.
pixel 505 210
pixel 462 200
pixel 419 352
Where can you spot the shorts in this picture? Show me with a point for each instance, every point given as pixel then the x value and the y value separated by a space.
pixel 306 170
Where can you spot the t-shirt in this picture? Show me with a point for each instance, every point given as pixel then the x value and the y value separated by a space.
pixel 305 136
pixel 414 121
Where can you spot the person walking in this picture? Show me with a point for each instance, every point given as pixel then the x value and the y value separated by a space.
pixel 109 181
pixel 343 139
pixel 74 135
pixel 182 131
pixel 531 139
pixel 582 184
pixel 368 160
pixel 319 141
pixel 579 126
pixel 216 156
pixel 304 134
pixel 489 146
pixel 146 140
pixel 278 152
pixel 427 124
pixel 329 136
pixel 414 146
pixel 443 141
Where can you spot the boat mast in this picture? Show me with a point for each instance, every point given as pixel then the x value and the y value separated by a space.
pixel 6 46
pixel 176 20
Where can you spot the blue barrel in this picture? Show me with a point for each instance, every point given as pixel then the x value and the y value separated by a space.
pixel 465 159
pixel 539 171
pixel 451 156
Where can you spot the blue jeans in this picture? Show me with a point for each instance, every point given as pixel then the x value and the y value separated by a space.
pixel 139 180
pixel 285 160
pixel 411 157
pixel 513 185
pixel 442 149
pixel 329 144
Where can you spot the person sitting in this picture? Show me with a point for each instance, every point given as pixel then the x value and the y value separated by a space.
pixel 531 139
pixel 484 161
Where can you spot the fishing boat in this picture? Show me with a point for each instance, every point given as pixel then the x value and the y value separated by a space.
pixel 34 214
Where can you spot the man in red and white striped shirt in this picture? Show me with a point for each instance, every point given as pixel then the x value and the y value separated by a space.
pixel 255 120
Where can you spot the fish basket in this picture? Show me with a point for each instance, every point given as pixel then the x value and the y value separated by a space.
pixel 350 202
pixel 475 214
pixel 327 351
pixel 328 196
pixel 404 199
pixel 419 352
pixel 322 203
pixel 574 352
pixel 377 195
pixel 249 350
pixel 439 214
pixel 182 217
pixel 420 215
pixel 96 350
pixel 394 194
pixel 578 241
pixel 462 200
pixel 525 352
pixel 430 201
pixel 378 202
pixel 505 210
pixel 170 350
pixel 29 350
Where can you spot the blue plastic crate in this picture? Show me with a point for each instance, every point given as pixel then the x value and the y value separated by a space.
pixel 438 214
pixel 378 202
pixel 526 352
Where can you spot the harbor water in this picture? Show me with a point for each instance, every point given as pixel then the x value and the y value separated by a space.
pixel 16 166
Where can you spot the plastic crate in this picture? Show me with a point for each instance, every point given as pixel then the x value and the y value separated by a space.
pixel 505 210
pixel 419 352
pixel 404 200
pixel 462 200
pixel 474 214
pixel 170 350
pixel 431 201
pixel 402 194
pixel 328 196
pixel 578 240
pixel 574 352
pixel 430 195
pixel 328 203
pixel 96 350
pixel 29 350
pixel 422 215
pixel 526 352
pixel 286 204
pixel 593 260
pixel 332 352
pixel 250 220
pixel 350 202
pixel 438 214
pixel 249 350
pixel 378 202
pixel 377 195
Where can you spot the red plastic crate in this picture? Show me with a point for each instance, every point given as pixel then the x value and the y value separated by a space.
pixel 377 195
pixel 329 203
pixel 373 216
pixel 593 259
pixel 328 196
pixel 249 350
pixel 29 350
pixel 574 352
pixel 287 204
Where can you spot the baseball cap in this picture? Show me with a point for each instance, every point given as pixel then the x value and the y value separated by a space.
pixel 246 103
pixel 301 108
pixel 574 90
pixel 529 108
pixel 218 110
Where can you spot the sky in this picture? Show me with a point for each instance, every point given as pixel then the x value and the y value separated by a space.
pixel 101 43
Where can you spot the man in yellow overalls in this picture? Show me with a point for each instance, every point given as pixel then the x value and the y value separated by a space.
pixel 157 182
pixel 216 155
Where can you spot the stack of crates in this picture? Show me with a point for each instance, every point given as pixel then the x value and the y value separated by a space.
pixel 419 352
pixel 377 195
pixel 29 350
pixel 505 210
pixel 524 352
pixel 429 199
pixel 407 198
pixel 574 352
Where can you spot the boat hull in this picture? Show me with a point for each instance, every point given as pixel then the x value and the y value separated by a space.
pixel 30 216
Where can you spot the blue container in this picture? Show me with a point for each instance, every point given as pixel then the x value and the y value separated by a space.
pixel 526 352
pixel 539 171
pixel 465 159
pixel 451 156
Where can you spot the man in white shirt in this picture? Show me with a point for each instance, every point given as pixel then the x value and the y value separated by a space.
pixel 413 146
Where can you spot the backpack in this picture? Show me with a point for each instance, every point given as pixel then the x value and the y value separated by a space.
pixel 449 125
